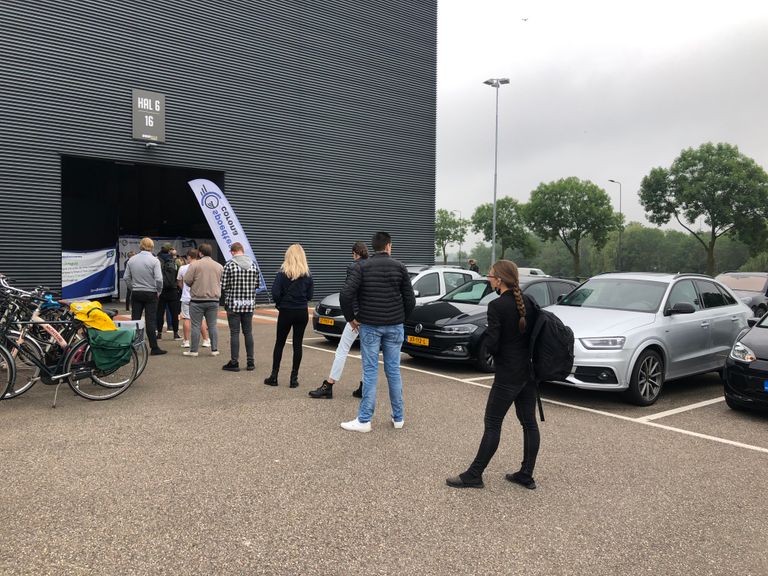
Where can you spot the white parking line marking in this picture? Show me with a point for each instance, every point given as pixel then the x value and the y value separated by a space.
pixel 265 317
pixel 480 378
pixel 681 409
pixel 643 420
pixel 657 425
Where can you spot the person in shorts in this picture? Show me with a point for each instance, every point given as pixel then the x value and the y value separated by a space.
pixel 192 254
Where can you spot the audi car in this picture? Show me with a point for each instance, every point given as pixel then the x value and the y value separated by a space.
pixel 453 327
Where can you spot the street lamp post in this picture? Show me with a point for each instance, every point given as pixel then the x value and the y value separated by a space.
pixel 618 255
pixel 495 83
pixel 460 218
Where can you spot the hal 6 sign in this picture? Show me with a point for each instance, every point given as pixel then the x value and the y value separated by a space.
pixel 148 116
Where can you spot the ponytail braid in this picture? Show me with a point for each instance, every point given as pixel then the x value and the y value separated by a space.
pixel 520 307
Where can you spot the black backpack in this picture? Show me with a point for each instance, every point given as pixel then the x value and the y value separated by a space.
pixel 551 348
pixel 168 268
pixel 551 351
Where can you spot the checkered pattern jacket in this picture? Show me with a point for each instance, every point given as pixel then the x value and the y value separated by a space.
pixel 239 287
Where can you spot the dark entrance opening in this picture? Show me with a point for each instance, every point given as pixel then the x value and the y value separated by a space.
pixel 102 200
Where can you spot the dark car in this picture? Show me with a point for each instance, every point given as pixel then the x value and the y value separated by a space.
pixel 751 287
pixel 453 327
pixel 746 368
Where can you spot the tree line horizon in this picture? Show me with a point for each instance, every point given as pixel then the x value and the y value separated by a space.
pixel 569 228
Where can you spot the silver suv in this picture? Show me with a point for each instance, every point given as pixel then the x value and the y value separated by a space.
pixel 429 283
pixel 634 331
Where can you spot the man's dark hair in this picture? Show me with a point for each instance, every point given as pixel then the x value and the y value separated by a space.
pixel 205 249
pixel 360 249
pixel 236 247
pixel 380 241
pixel 193 254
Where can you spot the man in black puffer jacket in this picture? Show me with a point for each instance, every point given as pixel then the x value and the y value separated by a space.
pixel 381 292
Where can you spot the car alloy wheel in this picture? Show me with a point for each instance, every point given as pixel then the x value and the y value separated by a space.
pixel 647 379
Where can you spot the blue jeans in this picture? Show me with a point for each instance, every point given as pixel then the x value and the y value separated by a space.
pixel 388 339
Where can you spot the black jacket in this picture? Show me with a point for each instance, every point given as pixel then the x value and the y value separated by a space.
pixel 380 289
pixel 510 348
pixel 292 294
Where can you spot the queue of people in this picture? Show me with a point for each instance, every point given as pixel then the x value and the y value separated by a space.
pixel 376 298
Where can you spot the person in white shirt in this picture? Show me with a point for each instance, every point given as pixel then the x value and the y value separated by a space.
pixel 192 254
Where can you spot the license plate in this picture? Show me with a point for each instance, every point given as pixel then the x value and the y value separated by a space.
pixel 765 385
pixel 326 321
pixel 418 341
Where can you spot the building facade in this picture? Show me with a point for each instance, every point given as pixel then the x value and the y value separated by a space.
pixel 316 118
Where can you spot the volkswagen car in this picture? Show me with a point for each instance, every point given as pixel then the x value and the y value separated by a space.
pixel 453 327
pixel 429 283
pixel 746 368
pixel 635 331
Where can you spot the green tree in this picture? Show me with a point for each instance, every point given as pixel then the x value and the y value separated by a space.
pixel 717 182
pixel 448 229
pixel 510 226
pixel 571 210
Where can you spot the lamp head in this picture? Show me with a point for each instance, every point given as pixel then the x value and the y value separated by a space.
pixel 496 82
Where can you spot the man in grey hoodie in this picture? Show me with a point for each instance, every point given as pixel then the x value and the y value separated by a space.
pixel 239 283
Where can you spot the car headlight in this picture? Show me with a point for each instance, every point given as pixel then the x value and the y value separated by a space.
pixel 459 329
pixel 742 353
pixel 605 343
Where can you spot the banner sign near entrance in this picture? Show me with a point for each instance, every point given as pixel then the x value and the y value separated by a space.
pixel 223 221
pixel 89 274
pixel 148 116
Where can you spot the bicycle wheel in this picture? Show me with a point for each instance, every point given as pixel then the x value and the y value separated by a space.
pixel 7 371
pixel 143 354
pixel 89 382
pixel 27 372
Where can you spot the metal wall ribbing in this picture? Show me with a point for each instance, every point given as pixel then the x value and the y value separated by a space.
pixel 321 114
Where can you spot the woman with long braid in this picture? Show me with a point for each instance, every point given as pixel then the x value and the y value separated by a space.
pixel 510 320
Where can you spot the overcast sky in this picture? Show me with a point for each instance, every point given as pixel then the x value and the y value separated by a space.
pixel 598 90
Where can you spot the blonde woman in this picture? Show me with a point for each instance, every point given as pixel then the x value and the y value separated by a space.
pixel 292 290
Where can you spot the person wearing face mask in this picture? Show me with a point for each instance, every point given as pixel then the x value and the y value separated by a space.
pixel 510 320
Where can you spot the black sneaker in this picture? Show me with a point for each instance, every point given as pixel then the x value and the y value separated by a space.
pixel 522 479
pixel 459 482
pixel 158 352
pixel 231 366
pixel 176 336
pixel 359 392
pixel 325 391
pixel 250 366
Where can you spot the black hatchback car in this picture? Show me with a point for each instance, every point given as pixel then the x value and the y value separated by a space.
pixel 746 368
pixel 453 327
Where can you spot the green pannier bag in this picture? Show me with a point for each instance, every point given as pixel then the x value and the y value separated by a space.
pixel 111 349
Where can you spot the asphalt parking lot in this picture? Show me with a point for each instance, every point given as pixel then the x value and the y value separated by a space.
pixel 199 471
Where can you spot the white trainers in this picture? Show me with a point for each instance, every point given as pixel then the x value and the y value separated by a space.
pixel 356 426
pixel 214 352
pixel 399 424
pixel 185 343
pixel 188 353
pixel 206 343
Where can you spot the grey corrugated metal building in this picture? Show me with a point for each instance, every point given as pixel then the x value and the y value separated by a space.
pixel 317 119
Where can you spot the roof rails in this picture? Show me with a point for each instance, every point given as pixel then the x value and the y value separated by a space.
pixel 679 274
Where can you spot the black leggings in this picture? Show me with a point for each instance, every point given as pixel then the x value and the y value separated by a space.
pixel 503 394
pixel 290 318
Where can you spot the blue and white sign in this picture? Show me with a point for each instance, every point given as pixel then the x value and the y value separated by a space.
pixel 89 274
pixel 223 222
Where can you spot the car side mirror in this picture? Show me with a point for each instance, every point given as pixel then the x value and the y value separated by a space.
pixel 680 308
pixel 416 293
pixel 752 321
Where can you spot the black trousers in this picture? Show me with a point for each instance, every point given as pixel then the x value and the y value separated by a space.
pixel 173 301
pixel 504 393
pixel 289 319
pixel 146 303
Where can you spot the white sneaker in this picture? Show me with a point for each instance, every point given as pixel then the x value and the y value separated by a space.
pixel 185 343
pixel 356 426
pixel 206 343
pixel 169 331
pixel 214 352
pixel 188 353
pixel 398 425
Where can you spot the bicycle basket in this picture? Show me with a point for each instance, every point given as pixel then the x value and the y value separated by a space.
pixel 110 349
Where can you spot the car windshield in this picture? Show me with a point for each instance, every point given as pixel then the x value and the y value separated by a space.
pixel 618 294
pixel 471 292
pixel 747 282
